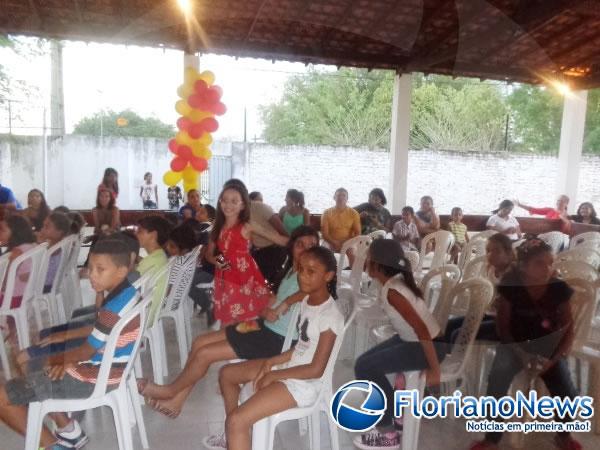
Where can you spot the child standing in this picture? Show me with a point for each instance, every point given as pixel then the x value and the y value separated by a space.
pixel 174 196
pixel 459 230
pixel 405 230
pixel 74 373
pixel 291 379
pixel 149 192
pixel 535 324
pixel 16 234
pixel 241 292
pixel 414 347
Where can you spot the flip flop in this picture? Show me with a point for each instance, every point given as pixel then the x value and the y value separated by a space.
pixel 171 414
pixel 142 384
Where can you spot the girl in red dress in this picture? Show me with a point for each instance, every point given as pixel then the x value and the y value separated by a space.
pixel 241 292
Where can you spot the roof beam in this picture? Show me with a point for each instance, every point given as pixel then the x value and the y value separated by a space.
pixel 339 25
pixel 78 10
pixel 526 19
pixel 251 29
pixel 35 11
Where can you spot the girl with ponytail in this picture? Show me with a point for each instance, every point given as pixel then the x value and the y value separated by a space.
pixel 415 346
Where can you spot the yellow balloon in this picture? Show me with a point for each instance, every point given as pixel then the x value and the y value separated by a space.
pixel 183 108
pixel 200 151
pixel 190 75
pixel 205 140
pixel 196 115
pixel 189 174
pixel 171 178
pixel 182 138
pixel 207 76
pixel 184 91
pixel 189 186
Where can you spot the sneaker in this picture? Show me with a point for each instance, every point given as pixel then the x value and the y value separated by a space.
pixel 72 439
pixel 376 440
pixel 215 442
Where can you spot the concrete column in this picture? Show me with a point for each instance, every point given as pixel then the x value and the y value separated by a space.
pixel 571 144
pixel 191 60
pixel 399 143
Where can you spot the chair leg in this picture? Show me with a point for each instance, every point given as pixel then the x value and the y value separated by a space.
pixel 121 414
pixel 156 354
pixel 22 328
pixel 181 340
pixel 34 426
pixel 137 411
pixel 263 435
pixel 315 430
pixel 160 335
pixel 4 359
pixel 411 425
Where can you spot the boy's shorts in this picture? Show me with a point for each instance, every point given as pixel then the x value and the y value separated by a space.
pixel 37 387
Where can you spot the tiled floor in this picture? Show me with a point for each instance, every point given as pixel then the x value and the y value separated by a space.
pixel 204 414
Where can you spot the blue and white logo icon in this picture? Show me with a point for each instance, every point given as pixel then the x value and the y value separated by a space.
pixel 362 418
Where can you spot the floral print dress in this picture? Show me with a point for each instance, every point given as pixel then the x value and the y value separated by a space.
pixel 241 291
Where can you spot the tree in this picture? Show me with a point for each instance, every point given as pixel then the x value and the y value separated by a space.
pixel 124 123
pixel 353 107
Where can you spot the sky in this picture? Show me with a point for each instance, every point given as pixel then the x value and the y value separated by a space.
pixel 117 77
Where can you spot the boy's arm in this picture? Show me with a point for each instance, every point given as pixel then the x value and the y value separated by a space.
pixel 79 354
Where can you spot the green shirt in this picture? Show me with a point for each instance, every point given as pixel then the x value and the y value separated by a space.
pixel 154 261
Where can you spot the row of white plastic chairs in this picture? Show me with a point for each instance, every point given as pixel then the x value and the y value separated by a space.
pixel 62 291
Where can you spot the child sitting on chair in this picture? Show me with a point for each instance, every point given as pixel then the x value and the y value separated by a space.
pixel 459 230
pixel 73 374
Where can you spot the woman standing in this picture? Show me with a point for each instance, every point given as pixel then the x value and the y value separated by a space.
pixel 110 181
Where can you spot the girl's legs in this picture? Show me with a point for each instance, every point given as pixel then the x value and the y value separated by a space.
pixel 266 402
pixel 391 356
pixel 206 349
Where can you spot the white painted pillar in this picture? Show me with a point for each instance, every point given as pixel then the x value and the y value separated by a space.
pixel 571 144
pixel 191 60
pixel 399 143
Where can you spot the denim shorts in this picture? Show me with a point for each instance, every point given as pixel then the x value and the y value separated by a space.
pixel 37 387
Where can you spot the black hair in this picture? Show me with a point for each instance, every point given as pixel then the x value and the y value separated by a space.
pixel 254 195
pixel 301 231
pixel 116 249
pixel 20 231
pixel 128 237
pixel 531 248
pixel 158 224
pixel 379 193
pixel 341 189
pixel 326 257
pixel 62 209
pixel 244 216
pixel 183 236
pixel 211 212
pixel 427 197
pixel 77 222
pixel 61 222
pixel 296 196
pixel 408 209
pixel 390 260
pixel 504 204
pixel 503 241
pixel 43 210
pixel 107 173
pixel 146 174
pixel 589 205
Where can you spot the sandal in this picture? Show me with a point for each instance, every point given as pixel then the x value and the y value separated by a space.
pixel 142 384
pixel 171 414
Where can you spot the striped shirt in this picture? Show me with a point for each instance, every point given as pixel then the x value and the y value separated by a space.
pixel 117 304
pixel 458 230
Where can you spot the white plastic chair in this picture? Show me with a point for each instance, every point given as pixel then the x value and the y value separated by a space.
pixel 555 239
pixel 413 259
pixel 476 268
pixel 117 399
pixel 568 269
pixel 263 431
pixel 581 253
pixel 52 299
pixel 444 240
pixel 353 277
pixel 591 237
pixel 378 234
pixel 3 354
pixel 176 307
pixel 472 249
pixel 35 256
pixel 484 234
pixel 70 291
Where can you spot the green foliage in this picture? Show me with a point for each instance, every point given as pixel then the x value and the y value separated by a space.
pixel 105 123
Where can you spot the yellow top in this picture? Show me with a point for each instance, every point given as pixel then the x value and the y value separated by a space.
pixel 458 230
pixel 340 224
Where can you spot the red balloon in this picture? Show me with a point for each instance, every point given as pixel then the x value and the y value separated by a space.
pixel 195 101
pixel 178 164
pixel 200 86
pixel 185 152
pixel 196 130
pixel 219 109
pixel 210 124
pixel 173 146
pixel 219 89
pixel 199 164
pixel 183 123
pixel 212 96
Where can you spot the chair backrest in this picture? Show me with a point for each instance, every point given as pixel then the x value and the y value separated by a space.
pixel 554 239
pixel 568 269
pixel 437 283
pixel 476 268
pixel 3 266
pixel 484 235
pixel 62 250
pixel 180 280
pixel 581 253
pixel 34 256
pixel 583 304
pixel 444 240
pixel 360 245
pixel 479 293
pixel 139 309
pixel 413 259
pixel 475 248
pixel 75 242
pixel 378 234
pixel 590 236
pixel 289 335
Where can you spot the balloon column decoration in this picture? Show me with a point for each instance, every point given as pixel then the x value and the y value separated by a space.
pixel 200 103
